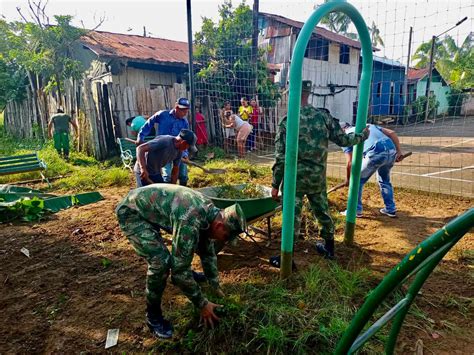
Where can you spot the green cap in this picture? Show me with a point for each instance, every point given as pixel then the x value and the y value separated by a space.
pixel 307 85
pixel 234 219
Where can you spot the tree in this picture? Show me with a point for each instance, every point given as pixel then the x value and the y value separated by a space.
pixel 339 22
pixel 223 52
pixel 455 64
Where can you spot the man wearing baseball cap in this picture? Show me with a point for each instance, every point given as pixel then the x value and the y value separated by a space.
pixel 153 155
pixel 194 222
pixel 170 122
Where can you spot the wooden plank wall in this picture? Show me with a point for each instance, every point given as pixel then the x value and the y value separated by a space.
pixel 99 127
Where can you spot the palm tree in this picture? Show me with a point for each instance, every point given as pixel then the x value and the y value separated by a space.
pixel 336 21
pixel 375 35
pixel 455 64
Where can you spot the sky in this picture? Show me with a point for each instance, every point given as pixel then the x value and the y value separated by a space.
pixel 167 19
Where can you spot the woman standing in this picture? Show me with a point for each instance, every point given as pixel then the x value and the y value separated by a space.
pixel 255 122
pixel 243 130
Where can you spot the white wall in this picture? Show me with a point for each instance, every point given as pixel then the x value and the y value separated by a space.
pixel 322 73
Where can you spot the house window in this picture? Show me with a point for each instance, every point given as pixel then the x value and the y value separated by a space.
pixel 344 53
pixel 401 90
pixel 318 48
pixel 379 89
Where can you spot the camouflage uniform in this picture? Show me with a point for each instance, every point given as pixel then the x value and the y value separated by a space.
pixel 184 213
pixel 317 127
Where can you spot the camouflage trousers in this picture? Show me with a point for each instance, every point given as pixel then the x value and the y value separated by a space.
pixel 320 208
pixel 147 242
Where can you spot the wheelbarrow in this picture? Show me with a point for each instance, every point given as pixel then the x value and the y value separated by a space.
pixel 255 209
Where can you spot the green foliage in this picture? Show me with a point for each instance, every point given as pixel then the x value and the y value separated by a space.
pixel 223 50
pixel 455 100
pixel 36 51
pixel 272 316
pixel 339 22
pixel 455 64
pixel 28 209
pixel 418 107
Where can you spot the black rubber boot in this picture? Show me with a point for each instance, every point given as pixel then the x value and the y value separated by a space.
pixel 199 277
pixel 326 249
pixel 275 261
pixel 160 327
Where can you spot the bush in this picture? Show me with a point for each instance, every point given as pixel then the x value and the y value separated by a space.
pixel 455 100
pixel 417 108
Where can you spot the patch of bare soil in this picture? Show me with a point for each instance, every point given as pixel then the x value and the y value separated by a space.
pixel 83 278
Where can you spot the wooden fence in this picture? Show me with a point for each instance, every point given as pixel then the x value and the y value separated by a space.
pixel 101 108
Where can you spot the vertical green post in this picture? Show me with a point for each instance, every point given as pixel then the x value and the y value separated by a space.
pixel 294 102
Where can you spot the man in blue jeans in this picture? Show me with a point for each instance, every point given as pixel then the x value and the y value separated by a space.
pixel 381 150
pixel 170 122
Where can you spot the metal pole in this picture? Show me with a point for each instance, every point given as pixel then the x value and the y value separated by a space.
pixel 255 44
pixel 190 66
pixel 405 84
pixel 428 83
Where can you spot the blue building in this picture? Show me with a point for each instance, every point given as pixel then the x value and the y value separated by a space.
pixel 387 97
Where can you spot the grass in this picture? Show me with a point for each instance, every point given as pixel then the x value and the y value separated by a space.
pixel 80 173
pixel 265 314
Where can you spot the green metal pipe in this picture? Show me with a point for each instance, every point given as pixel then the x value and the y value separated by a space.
pixel 416 285
pixel 450 233
pixel 294 103
pixel 361 122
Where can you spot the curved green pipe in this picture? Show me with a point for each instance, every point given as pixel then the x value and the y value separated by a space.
pixel 294 103
pixel 449 234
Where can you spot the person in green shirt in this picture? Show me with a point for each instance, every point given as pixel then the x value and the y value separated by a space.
pixel 60 122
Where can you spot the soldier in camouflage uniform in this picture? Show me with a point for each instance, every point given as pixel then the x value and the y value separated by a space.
pixel 194 222
pixel 317 127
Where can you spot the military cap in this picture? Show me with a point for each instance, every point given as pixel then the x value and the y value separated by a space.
pixel 234 219
pixel 307 85
pixel 190 138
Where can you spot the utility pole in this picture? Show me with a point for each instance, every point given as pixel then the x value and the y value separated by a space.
pixel 255 41
pixel 405 84
pixel 190 66
pixel 430 74
pixel 428 84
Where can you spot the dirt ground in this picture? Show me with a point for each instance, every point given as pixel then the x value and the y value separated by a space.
pixel 83 278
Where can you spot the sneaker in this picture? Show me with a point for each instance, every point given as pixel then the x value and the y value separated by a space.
pixel 344 213
pixel 160 327
pixel 390 214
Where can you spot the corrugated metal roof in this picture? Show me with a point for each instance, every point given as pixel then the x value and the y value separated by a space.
pixel 334 37
pixel 133 47
pixel 388 61
pixel 417 74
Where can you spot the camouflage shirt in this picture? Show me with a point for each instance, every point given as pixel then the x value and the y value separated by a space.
pixel 317 128
pixel 184 213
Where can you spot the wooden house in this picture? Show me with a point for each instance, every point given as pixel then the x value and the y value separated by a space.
pixel 387 97
pixel 126 75
pixel 331 62
pixel 417 81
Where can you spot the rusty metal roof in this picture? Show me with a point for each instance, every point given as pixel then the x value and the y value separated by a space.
pixel 139 48
pixel 417 74
pixel 331 36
